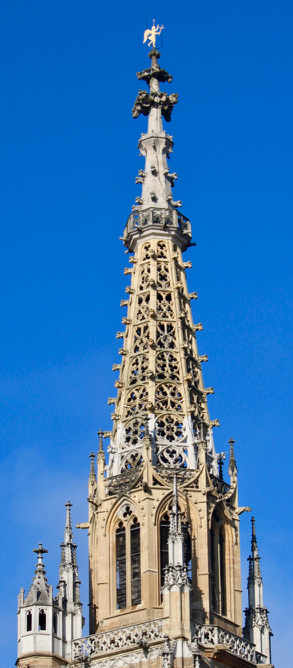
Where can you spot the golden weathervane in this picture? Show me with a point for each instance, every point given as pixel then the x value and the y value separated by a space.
pixel 152 34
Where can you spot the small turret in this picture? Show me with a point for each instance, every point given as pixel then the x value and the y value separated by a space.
pixel 257 628
pixel 46 624
pixel 37 616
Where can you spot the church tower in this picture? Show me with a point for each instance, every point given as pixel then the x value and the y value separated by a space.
pixel 164 546
pixel 165 581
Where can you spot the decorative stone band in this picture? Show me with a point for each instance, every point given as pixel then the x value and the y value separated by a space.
pixel 111 641
pixel 176 576
pixel 165 221
pixel 208 635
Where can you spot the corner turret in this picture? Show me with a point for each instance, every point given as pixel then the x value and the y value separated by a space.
pixel 47 624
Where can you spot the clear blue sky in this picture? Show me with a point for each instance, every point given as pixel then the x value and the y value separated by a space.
pixel 68 163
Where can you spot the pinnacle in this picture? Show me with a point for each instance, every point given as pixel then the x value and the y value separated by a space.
pixel 253 535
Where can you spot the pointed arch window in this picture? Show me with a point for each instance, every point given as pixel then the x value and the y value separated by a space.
pixel 121 566
pixel 55 623
pixel 135 563
pixel 218 568
pixel 222 568
pixel 128 564
pixel 28 621
pixel 42 620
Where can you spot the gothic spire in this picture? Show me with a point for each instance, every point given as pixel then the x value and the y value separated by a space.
pixel 257 628
pixel 160 386
pixel 68 569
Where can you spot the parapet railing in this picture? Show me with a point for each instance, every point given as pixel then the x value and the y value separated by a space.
pixel 110 641
pixel 208 635
pixel 161 218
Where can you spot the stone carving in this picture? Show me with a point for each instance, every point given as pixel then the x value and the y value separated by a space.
pixel 172 456
pixel 176 576
pixel 121 483
pixel 131 461
pixel 136 401
pixel 116 367
pixel 209 390
pixel 169 428
pixel 156 72
pixel 214 635
pixel 165 309
pixel 168 398
pixel 134 431
pixel 138 370
pixel 167 366
pixel 143 311
pixel 145 101
pixel 161 217
pixel 167 652
pixel 129 636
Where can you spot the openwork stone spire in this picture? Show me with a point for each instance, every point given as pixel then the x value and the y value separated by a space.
pixel 160 386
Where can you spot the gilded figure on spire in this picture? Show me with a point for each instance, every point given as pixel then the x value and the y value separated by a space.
pixel 152 34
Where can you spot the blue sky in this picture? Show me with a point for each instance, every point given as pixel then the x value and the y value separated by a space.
pixel 68 164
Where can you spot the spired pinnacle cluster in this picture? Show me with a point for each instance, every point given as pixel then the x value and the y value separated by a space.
pixel 164 548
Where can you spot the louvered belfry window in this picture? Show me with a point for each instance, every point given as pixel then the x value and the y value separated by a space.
pixel 164 535
pixel 135 563
pixel 128 568
pixel 121 566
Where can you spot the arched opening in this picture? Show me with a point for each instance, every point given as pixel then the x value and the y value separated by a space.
pixel 222 573
pixel 42 620
pixel 28 621
pixel 218 566
pixel 55 623
pixel 121 566
pixel 128 562
pixel 135 563
pixel 164 535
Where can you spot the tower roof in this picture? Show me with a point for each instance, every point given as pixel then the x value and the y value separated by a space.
pixel 161 395
pixel 39 590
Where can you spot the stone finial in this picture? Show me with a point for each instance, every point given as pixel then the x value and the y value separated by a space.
pixel 92 467
pixel 40 551
pixel 101 443
pixel 221 459
pixel 232 461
